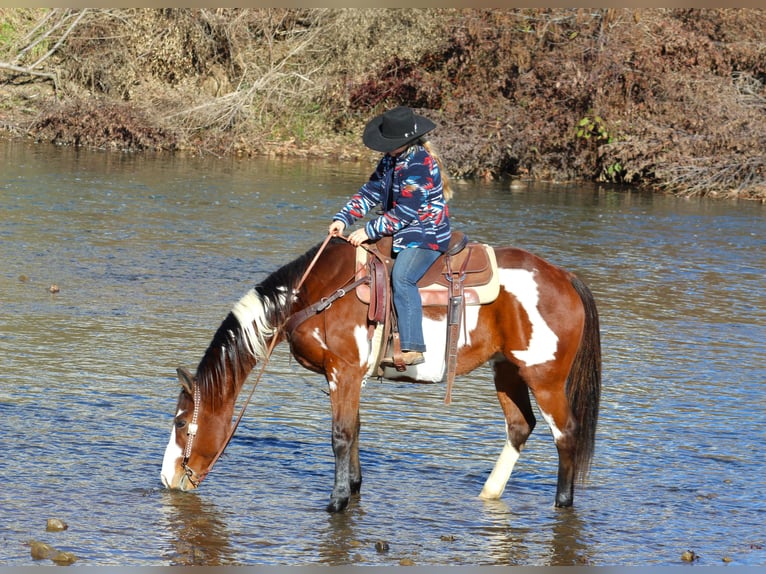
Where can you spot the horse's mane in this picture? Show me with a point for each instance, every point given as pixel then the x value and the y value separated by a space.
pixel 235 345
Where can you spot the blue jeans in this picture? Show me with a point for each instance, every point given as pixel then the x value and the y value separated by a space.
pixel 409 266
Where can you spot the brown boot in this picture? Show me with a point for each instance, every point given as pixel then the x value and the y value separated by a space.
pixel 408 358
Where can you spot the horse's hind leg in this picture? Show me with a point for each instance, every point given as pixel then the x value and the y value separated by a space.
pixel 554 407
pixel 513 395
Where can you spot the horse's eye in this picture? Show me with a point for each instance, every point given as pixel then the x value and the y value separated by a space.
pixel 180 424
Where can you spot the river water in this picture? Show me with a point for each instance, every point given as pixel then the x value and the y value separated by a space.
pixel 149 254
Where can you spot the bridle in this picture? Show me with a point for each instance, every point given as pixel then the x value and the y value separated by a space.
pixel 191 433
pixel 196 478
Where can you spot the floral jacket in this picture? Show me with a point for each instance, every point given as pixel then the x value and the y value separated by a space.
pixel 409 187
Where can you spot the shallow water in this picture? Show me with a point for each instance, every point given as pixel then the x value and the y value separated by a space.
pixel 150 253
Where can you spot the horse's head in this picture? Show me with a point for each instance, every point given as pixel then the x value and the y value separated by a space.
pixel 197 437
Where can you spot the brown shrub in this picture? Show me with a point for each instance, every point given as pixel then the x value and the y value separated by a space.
pixel 614 95
pixel 101 124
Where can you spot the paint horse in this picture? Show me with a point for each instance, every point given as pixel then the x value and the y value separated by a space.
pixel 541 334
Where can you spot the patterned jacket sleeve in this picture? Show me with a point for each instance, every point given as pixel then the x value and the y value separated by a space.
pixel 368 196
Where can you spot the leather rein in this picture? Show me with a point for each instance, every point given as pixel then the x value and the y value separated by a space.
pixel 287 326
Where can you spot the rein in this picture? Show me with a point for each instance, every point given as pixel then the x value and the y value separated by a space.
pixel 290 323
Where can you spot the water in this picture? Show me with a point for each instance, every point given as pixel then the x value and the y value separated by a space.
pixel 150 253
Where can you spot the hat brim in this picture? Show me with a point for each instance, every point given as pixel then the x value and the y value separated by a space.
pixel 375 140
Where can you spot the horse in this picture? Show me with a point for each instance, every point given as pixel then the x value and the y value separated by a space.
pixel 540 333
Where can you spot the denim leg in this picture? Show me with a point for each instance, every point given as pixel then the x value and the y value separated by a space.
pixel 409 266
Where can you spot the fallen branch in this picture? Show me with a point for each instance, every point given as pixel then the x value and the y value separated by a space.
pixel 52 76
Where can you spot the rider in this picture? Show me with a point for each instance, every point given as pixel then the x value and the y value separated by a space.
pixel 413 189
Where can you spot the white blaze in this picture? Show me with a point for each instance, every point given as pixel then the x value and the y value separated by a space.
pixel 172 454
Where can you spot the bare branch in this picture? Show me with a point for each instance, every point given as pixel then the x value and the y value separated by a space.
pixel 43 21
pixel 61 40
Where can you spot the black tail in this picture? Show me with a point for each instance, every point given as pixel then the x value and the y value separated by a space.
pixel 584 384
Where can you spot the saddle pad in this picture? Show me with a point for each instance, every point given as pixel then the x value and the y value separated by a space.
pixel 481 282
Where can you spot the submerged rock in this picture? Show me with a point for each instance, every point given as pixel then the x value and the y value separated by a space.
pixel 64 558
pixel 40 550
pixel 56 525
pixel 689 556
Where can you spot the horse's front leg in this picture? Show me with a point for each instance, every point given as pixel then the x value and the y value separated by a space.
pixel 355 467
pixel 345 391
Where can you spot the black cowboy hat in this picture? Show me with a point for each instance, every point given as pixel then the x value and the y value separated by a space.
pixel 395 128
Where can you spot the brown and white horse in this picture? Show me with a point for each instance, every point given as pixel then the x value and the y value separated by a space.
pixel 541 334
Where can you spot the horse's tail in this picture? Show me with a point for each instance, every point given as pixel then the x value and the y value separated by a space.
pixel 584 384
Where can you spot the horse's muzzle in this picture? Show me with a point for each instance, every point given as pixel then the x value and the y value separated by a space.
pixel 184 480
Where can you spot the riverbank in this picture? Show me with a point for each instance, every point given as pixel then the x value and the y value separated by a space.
pixel 667 99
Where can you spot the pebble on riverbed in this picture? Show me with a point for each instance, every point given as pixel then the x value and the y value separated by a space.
pixel 56 525
pixel 40 550
pixel 689 556
pixel 64 558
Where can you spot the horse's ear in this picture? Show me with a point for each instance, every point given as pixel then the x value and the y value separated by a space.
pixel 186 379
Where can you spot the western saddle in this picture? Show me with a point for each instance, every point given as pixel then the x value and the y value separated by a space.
pixel 466 274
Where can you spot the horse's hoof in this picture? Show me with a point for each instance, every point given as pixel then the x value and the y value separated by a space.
pixel 564 501
pixel 337 505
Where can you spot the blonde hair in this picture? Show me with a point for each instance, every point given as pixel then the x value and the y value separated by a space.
pixel 446 185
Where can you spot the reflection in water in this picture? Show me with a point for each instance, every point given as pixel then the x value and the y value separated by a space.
pixel 199 532
pixel 567 545
pixel 339 543
pixel 511 541
pixel 507 544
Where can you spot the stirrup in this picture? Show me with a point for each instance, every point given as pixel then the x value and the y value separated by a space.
pixel 409 358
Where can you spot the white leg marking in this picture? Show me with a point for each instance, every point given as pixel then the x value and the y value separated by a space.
pixel 172 454
pixel 499 476
pixel 551 423
pixel 543 341
pixel 251 314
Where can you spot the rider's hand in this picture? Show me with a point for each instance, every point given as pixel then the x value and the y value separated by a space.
pixel 336 228
pixel 358 237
